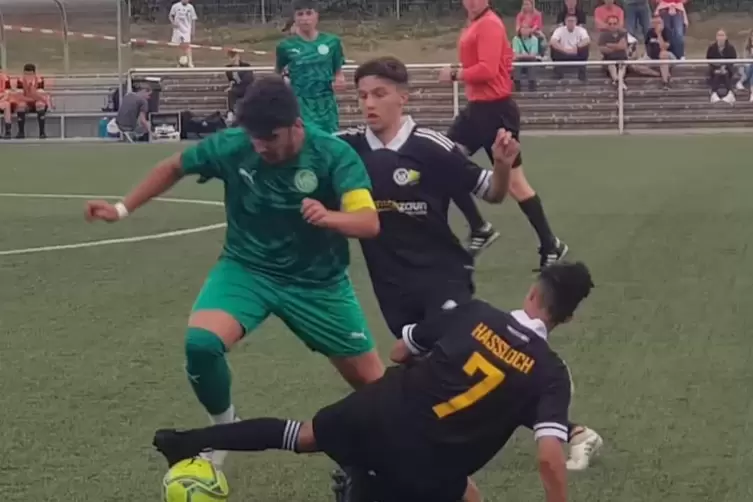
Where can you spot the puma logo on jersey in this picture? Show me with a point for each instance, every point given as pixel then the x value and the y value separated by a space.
pixel 249 177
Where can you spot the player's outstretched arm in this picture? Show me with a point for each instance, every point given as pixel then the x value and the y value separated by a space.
pixel 159 180
pixel 552 468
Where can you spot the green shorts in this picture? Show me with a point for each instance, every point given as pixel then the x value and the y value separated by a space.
pixel 321 112
pixel 329 320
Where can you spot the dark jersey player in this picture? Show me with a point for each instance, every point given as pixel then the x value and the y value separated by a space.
pixel 477 374
pixel 416 264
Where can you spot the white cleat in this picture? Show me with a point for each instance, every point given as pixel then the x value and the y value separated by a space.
pixel 584 445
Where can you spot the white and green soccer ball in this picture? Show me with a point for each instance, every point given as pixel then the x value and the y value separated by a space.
pixel 194 480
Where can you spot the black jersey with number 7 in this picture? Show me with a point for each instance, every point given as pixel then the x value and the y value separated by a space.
pixel 487 373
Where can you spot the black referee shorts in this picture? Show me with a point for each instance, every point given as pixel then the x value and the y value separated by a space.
pixel 353 433
pixel 477 124
pixel 401 306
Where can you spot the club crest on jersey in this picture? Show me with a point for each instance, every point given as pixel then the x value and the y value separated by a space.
pixel 305 181
pixel 323 50
pixel 403 176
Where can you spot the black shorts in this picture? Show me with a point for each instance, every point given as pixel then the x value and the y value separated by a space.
pixel 477 124
pixel 401 306
pixel 353 433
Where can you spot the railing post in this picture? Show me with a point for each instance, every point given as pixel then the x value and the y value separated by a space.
pixel 397 9
pixel 3 51
pixel 621 103
pixel 455 98
pixel 66 49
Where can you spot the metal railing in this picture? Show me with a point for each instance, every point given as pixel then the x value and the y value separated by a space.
pixel 456 90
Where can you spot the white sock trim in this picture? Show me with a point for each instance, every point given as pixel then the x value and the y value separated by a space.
pixel 226 417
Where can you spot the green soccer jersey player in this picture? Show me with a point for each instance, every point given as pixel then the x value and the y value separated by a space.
pixel 313 61
pixel 293 194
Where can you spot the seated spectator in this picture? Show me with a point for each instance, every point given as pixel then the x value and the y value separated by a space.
pixel 31 98
pixel 659 48
pixel 675 18
pixel 530 16
pixel 637 17
pixel 571 8
pixel 747 79
pixel 613 46
pixel 720 75
pixel 634 54
pixel 132 119
pixel 603 12
pixel 239 82
pixel 570 43
pixel 525 46
pixel 6 103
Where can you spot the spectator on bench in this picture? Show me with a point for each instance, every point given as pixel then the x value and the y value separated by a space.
pixel 570 43
pixel 31 98
pixel 613 46
pixel 132 119
pixel 525 46
pixel 603 12
pixel 6 103
pixel 239 82
pixel 659 48
pixel 528 15
pixel 571 8
pixel 720 75
pixel 748 70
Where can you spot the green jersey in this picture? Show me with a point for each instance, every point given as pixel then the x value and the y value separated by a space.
pixel 266 231
pixel 312 66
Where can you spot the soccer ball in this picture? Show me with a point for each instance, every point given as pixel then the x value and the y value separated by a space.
pixel 194 480
pixel 183 61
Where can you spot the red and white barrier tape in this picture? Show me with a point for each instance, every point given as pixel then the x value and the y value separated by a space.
pixel 133 41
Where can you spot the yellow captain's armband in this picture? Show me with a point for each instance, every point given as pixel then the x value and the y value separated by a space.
pixel 357 199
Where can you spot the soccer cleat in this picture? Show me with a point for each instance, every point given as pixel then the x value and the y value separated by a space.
pixel 585 443
pixel 354 485
pixel 172 444
pixel 481 239
pixel 553 255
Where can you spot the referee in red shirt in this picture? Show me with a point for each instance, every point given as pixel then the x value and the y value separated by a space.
pixel 486 70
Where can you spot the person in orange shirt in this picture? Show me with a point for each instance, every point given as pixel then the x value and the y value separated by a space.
pixel 32 99
pixel 529 16
pixel 6 103
pixel 603 12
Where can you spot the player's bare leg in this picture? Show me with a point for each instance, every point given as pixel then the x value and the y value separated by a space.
pixel 551 249
pixel 359 370
pixel 210 334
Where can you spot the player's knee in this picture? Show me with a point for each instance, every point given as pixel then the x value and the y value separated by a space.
pixel 202 345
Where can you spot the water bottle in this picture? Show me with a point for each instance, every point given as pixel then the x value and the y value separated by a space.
pixel 103 127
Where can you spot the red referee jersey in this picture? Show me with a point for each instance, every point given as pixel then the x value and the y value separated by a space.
pixel 486 57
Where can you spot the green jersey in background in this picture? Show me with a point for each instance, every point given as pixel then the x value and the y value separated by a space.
pixel 312 65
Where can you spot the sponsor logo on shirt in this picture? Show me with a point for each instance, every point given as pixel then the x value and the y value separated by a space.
pixel 305 181
pixel 411 208
pixel 403 177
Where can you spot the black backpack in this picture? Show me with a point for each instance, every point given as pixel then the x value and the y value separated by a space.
pixel 193 126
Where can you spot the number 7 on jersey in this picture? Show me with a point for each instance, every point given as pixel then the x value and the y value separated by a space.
pixel 493 378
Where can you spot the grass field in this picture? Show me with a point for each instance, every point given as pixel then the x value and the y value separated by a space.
pixel 91 348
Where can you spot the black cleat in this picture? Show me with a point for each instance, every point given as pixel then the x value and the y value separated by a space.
pixel 481 239
pixel 354 485
pixel 553 255
pixel 173 445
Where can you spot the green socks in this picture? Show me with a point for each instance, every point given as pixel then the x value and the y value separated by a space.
pixel 208 371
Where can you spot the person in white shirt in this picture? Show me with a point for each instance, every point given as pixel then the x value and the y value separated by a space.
pixel 183 18
pixel 570 43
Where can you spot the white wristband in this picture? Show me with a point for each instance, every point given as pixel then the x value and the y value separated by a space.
pixel 122 210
